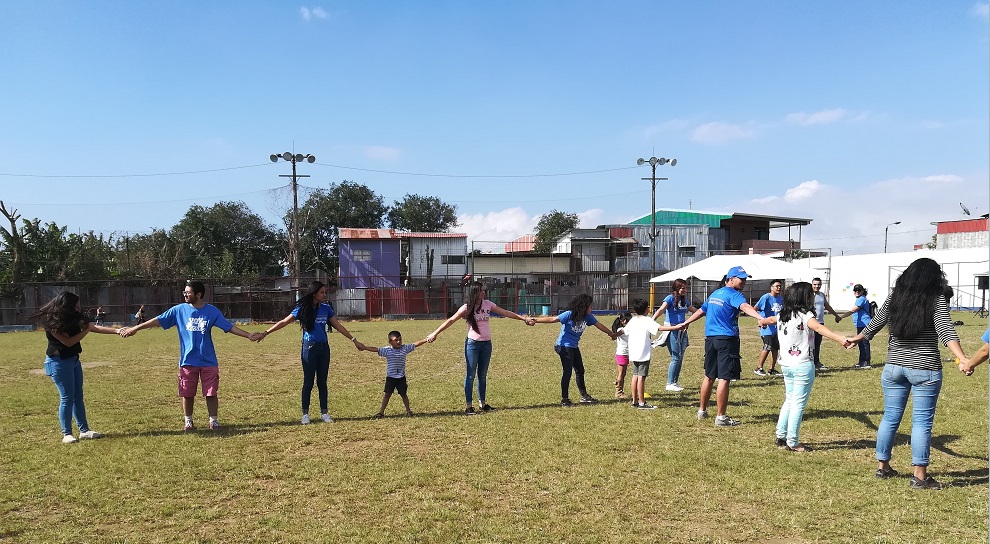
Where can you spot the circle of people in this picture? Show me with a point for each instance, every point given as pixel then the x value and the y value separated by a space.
pixel 916 313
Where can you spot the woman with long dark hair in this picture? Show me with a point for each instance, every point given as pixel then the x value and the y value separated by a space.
pixel 314 315
pixel 65 326
pixel 917 316
pixel 676 305
pixel 573 321
pixel 861 318
pixel 478 344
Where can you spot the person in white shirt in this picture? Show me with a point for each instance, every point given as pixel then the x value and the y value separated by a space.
pixel 621 353
pixel 641 329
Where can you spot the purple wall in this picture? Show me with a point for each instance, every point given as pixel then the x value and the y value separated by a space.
pixel 382 270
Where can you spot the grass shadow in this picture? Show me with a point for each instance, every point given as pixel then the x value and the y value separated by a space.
pixel 967 478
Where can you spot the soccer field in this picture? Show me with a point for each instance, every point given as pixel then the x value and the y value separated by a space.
pixel 530 471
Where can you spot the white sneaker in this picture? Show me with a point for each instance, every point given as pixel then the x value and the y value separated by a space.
pixel 69 439
pixel 674 387
pixel 702 414
pixel 90 435
pixel 305 419
pixel 326 418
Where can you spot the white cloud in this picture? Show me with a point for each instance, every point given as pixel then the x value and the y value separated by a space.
pixel 719 133
pixel 824 117
pixel 804 191
pixel 498 226
pixel 313 13
pixel 765 199
pixel 943 178
pixel 590 219
pixel 981 9
pixel 382 153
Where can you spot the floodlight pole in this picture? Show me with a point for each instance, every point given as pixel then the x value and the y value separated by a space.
pixel 654 162
pixel 885 234
pixel 294 260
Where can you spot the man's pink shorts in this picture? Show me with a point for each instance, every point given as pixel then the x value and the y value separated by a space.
pixel 621 360
pixel 190 376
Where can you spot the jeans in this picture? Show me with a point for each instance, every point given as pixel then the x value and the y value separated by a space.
pixel 477 356
pixel 68 377
pixel 898 382
pixel 676 344
pixel 315 365
pixel 570 360
pixel 818 349
pixel 798 379
pixel 864 347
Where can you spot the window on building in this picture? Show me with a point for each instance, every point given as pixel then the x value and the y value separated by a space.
pixel 453 259
pixel 362 255
pixel 761 233
pixel 687 251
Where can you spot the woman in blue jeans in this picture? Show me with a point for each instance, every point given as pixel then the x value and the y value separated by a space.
pixel 917 315
pixel 676 306
pixel 861 318
pixel 65 326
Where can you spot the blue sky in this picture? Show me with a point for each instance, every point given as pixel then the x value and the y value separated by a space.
pixel 853 114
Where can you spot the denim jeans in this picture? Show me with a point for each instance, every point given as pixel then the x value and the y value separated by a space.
pixel 864 347
pixel 315 365
pixel 898 383
pixel 798 379
pixel 571 361
pixel 68 377
pixel 477 356
pixel 676 344
pixel 818 349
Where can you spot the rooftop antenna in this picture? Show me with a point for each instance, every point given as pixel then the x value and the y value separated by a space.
pixel 965 210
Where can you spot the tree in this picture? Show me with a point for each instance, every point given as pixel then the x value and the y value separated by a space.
pixel 417 213
pixel 13 243
pixel 550 226
pixel 343 205
pixel 154 256
pixel 228 240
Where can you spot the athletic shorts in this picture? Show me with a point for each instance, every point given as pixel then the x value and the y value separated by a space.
pixel 722 360
pixel 191 376
pixel 621 360
pixel 641 368
pixel 770 342
pixel 396 384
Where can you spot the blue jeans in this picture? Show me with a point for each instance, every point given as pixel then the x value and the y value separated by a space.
pixel 68 377
pixel 316 365
pixel 676 345
pixel 798 379
pixel 477 355
pixel 864 347
pixel 898 382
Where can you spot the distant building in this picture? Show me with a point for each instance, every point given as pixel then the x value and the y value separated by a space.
pixel 372 258
pixel 962 233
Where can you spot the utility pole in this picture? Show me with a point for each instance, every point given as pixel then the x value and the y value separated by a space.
pixel 294 261
pixel 654 162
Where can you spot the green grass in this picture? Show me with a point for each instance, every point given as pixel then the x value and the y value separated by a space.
pixel 528 472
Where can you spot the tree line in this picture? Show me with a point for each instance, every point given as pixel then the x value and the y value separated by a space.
pixel 226 240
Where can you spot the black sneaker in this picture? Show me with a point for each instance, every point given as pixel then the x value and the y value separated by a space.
pixel 487 407
pixel 819 366
pixel 588 399
pixel 566 402
pixel 773 372
pixel 469 411
pixel 862 366
pixel 646 406
pixel 884 474
pixel 780 443
pixel 927 483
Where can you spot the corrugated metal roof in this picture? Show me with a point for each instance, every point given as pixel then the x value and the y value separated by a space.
pixel 391 234
pixel 684 217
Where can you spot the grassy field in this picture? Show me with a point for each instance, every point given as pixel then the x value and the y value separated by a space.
pixel 529 472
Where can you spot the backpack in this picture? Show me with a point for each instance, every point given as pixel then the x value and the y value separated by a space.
pixel 873 309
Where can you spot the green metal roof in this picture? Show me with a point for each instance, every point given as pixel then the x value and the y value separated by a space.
pixel 684 217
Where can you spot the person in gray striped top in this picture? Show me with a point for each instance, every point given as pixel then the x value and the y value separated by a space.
pixel 395 371
pixel 917 316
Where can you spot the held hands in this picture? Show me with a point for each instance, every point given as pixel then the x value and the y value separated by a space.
pixel 966 367
pixel 359 345
pixel 531 321
pixel 124 332
pixel 837 318
pixel 431 337
pixel 256 336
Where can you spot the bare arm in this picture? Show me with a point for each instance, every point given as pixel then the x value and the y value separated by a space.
pixel 660 310
pixel 100 329
pixel 750 311
pixel 814 325
pixel 70 341
pixel 444 326
pixel 694 317
pixel 545 319
pixel 252 336
pixel 131 331
pixel 285 321
pixel 976 360
pixel 362 347
pixel 418 343
pixel 606 330
pixel 341 329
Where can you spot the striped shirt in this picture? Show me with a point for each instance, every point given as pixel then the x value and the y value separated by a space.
pixel 920 352
pixel 396 359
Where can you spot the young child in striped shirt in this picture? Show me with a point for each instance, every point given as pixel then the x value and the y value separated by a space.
pixel 395 373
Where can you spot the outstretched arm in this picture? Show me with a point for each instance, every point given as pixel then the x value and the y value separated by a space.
pixel 814 325
pixel 545 319
pixel 606 330
pixel 131 331
pixel 100 329
pixel 660 310
pixel 418 343
pixel 976 360
pixel 341 329
pixel 252 336
pixel 70 340
pixel 285 321
pixel 362 347
pixel 750 311
pixel 443 326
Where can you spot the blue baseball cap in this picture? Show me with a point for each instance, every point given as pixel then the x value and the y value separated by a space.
pixel 737 272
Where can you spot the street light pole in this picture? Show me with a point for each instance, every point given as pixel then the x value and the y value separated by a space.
pixel 885 234
pixel 654 162
pixel 294 260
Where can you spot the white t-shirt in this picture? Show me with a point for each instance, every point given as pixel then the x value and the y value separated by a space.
pixel 622 343
pixel 641 330
pixel 797 340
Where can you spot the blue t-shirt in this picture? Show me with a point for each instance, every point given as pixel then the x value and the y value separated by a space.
pixel 722 312
pixel 194 326
pixel 319 333
pixel 986 337
pixel 862 316
pixel 675 314
pixel 570 331
pixel 395 359
pixel 769 306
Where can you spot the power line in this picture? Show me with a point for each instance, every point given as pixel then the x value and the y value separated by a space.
pixel 158 174
pixel 476 175
pixel 197 199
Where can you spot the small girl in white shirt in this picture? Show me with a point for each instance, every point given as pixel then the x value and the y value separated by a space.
pixel 621 353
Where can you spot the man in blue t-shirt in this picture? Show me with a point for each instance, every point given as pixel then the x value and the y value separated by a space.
pixel 194 322
pixel 769 305
pixel 722 360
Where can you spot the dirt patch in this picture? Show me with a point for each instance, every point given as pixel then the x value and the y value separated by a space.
pixel 41 371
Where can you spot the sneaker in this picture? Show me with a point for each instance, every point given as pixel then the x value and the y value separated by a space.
pixel 487 407
pixel 819 366
pixel 774 372
pixel 305 419
pixel 325 418
pixel 780 443
pixel 588 399
pixel 189 427
pixel 214 425
pixel 88 435
pixel 862 366
pixel 646 406
pixel 799 448
pixel 566 402
pixel 927 483
pixel 409 414
pixel 469 411
pixel 884 474
pixel 760 372
pixel 634 404
pixel 675 387
pixel 702 414
pixel 69 439
pixel 379 415
pixel 726 421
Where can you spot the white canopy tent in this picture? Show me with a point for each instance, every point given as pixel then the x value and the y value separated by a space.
pixel 760 267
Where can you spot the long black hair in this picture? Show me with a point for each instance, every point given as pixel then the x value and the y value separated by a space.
pixel 799 298
pixel 675 289
pixel 60 314
pixel 474 304
pixel 620 321
pixel 307 312
pixel 579 307
pixel 912 303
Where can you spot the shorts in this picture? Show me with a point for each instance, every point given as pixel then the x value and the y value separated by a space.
pixel 770 342
pixel 641 368
pixel 621 360
pixel 396 384
pixel 722 360
pixel 190 376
